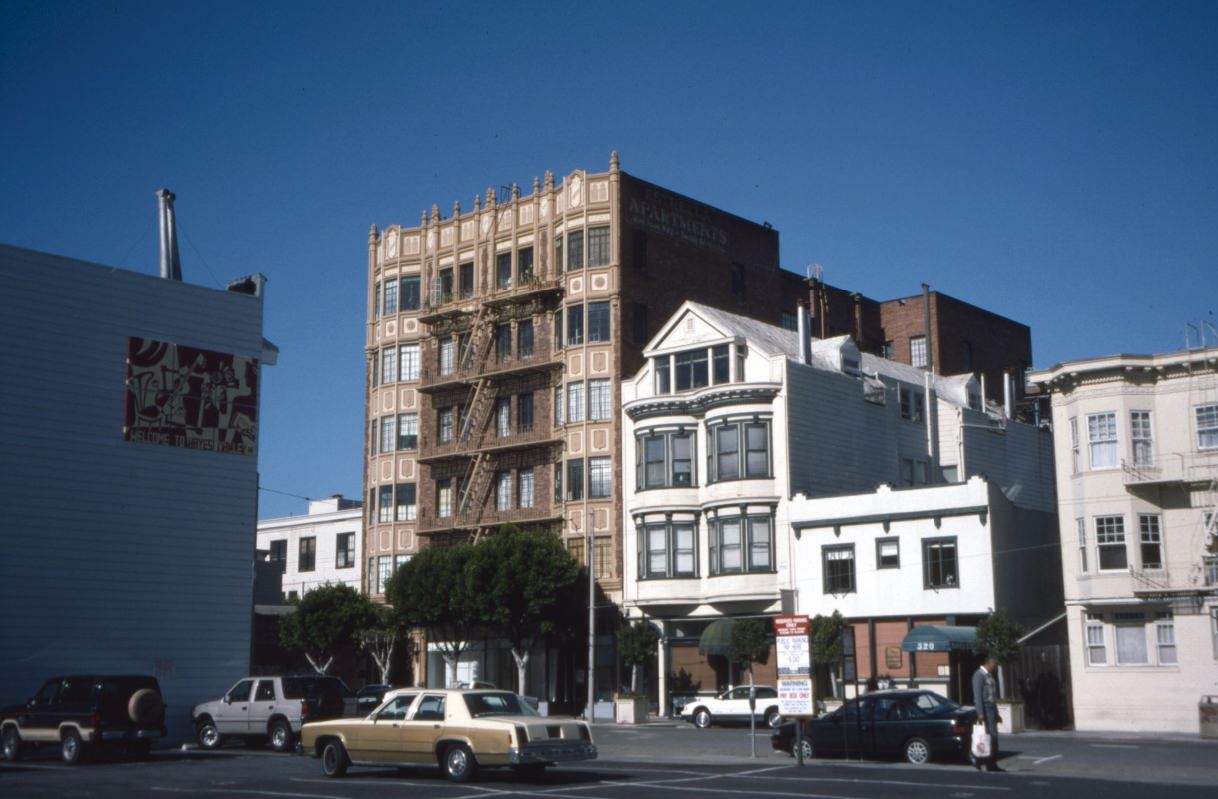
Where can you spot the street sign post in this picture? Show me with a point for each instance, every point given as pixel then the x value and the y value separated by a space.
pixel 794 673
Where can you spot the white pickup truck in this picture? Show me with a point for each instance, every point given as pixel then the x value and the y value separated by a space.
pixel 271 709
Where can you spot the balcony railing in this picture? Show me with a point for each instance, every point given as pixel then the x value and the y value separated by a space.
pixel 520 435
pixel 1174 467
pixel 490 517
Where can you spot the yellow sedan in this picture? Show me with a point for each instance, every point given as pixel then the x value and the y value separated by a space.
pixel 458 730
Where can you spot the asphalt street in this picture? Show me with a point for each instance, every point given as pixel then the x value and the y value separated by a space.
pixel 669 761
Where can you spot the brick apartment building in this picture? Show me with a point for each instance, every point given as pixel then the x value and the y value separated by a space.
pixel 498 337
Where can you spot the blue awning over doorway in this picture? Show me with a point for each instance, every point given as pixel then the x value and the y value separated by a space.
pixel 940 639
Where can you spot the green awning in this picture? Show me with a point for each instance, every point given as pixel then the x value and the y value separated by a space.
pixel 716 639
pixel 940 639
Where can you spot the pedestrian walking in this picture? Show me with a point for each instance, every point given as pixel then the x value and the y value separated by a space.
pixel 985 699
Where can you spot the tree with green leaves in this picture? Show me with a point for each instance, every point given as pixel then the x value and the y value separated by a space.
pixel 380 636
pixel 325 619
pixel 528 587
pixel 825 641
pixel 750 643
pixel 434 590
pixel 637 643
pixel 998 637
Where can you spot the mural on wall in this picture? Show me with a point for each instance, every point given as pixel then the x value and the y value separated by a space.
pixel 180 396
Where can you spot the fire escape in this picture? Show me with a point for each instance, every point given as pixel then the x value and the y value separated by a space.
pixel 477 448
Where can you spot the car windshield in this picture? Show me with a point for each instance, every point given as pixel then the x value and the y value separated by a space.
pixel 497 704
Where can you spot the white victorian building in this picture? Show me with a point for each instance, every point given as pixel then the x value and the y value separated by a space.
pixel 730 418
pixel 1137 470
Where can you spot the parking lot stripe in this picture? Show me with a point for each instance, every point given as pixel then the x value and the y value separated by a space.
pixel 901 783
pixel 231 791
pixel 1045 759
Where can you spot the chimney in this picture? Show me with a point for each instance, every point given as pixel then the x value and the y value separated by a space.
pixel 805 351
pixel 171 265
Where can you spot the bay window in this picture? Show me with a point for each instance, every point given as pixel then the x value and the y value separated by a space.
pixel 739 450
pixel 741 543
pixel 667 549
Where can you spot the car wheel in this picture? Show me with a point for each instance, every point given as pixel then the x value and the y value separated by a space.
pixel 458 763
pixel 334 759
pixel 209 737
pixel 12 745
pixel 281 736
pixel 71 747
pixel 702 718
pixel 532 772
pixel 772 719
pixel 917 751
pixel 807 751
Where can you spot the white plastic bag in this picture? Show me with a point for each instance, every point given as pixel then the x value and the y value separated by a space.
pixel 981 742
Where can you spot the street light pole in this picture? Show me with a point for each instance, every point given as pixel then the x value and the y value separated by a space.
pixel 591 619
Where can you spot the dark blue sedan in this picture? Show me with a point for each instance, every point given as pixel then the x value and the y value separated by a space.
pixel 918 726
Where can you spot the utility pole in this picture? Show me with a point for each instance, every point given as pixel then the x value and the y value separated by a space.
pixel 591 618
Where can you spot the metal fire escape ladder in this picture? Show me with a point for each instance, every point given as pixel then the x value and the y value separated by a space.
pixel 472 502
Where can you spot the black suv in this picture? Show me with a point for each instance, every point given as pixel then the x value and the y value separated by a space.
pixel 84 711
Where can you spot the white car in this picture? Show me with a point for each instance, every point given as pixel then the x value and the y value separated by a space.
pixel 733 706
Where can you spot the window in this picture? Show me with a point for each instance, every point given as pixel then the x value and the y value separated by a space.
pixel 575 325
pixel 385 504
pixel 691 370
pixel 410 293
pixel 406 502
pixel 1165 638
pixel 503 343
pixel 558 406
pixel 558 339
pixel 444 497
pixel 376 302
pixel 408 357
pixel 664 459
pixel 575 478
pixel 788 321
pixel 390 297
pixel 1130 629
pixel 524 339
pixel 558 496
pixel 524 412
pixel 1080 525
pixel 917 351
pixel 384 570
pixel 448 353
pixel 524 266
pixel 1141 439
pixel 1102 440
pixel 599 407
pixel 1110 542
pixel 558 262
pixel 598 246
pixel 1151 539
pixel 741 544
pixel 1075 458
pixel 888 553
pixel 575 402
pixel 600 477
pixel 912 404
pixel 1207 426
pixel 663 369
pixel 344 550
pixel 667 550
pixel 279 554
pixel 1097 654
pixel 389 366
pixel 307 559
pixel 889 350
pixel 524 488
pixel 503 490
pixel 1214 630
pixel 503 271
pixel 575 249
pixel 465 279
pixel 503 417
pixel 720 364
pixel 446 424
pixel 939 563
pixel 388 436
pixel 725 456
pixel 446 285
pixel 638 324
pixel 408 431
pixel 598 321
pixel 838 569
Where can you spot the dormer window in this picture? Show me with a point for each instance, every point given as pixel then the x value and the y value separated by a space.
pixel 694 369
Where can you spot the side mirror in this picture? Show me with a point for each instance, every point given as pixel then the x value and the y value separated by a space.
pixel 228 700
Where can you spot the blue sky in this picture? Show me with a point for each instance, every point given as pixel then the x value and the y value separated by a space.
pixel 1053 162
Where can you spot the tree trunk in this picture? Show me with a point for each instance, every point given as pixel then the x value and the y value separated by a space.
pixel 634 678
pixel 318 667
pixel 522 667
